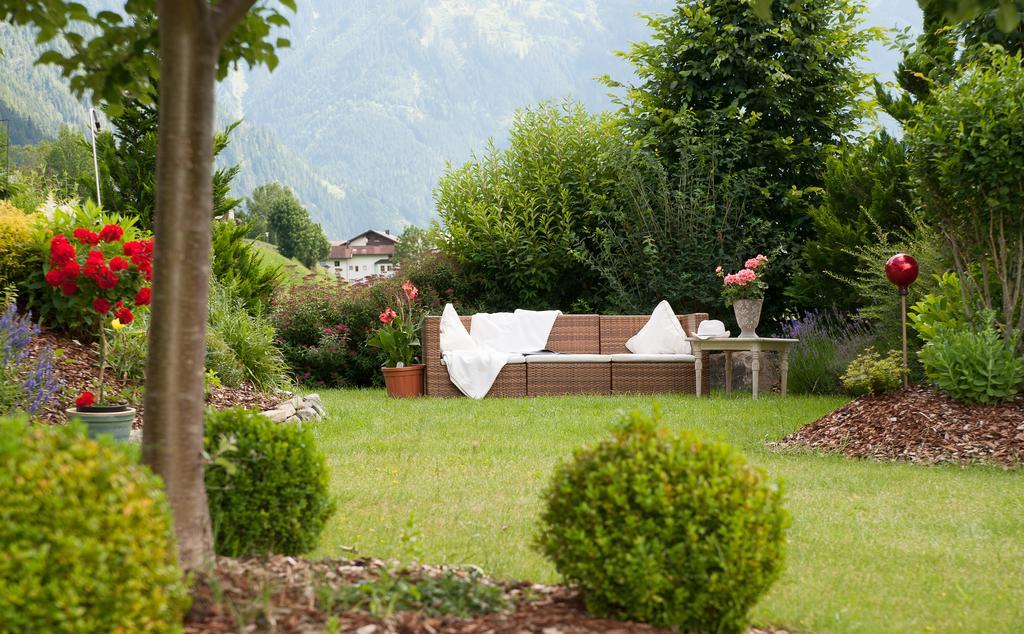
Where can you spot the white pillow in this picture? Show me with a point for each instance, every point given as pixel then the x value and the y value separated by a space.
pixel 453 333
pixel 661 335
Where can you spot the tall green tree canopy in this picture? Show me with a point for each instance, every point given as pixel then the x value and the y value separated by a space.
pixel 276 208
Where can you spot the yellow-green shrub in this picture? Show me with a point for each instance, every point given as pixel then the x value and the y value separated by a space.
pixel 15 242
pixel 871 373
pixel 86 535
pixel 667 529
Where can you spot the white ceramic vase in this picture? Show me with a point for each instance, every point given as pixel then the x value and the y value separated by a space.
pixel 748 315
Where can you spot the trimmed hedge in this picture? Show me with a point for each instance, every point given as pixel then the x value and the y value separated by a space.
pixel 667 529
pixel 86 535
pixel 267 486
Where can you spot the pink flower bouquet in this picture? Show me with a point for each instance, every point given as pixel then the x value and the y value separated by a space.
pixel 747 283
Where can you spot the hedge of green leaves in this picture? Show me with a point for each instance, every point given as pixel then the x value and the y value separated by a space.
pixel 86 534
pixel 267 486
pixel 668 529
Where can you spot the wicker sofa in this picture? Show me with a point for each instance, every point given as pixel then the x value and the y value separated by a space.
pixel 592 359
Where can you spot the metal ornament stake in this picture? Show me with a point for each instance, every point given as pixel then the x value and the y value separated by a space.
pixel 901 270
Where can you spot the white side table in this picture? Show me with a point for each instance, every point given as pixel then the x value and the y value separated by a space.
pixel 755 346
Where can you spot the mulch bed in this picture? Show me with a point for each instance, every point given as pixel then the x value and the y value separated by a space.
pixel 277 594
pixel 922 425
pixel 77 366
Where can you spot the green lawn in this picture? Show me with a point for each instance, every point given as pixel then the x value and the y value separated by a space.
pixel 295 272
pixel 874 547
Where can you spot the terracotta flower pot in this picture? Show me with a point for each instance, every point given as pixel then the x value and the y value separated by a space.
pixel 108 420
pixel 748 315
pixel 404 382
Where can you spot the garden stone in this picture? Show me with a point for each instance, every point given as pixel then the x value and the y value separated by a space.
pixel 317 407
pixel 769 378
pixel 277 415
pixel 307 413
pixel 296 402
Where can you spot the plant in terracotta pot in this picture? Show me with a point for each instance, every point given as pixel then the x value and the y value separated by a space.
pixel 104 276
pixel 744 291
pixel 398 337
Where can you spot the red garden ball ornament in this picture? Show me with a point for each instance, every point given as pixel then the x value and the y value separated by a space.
pixel 901 269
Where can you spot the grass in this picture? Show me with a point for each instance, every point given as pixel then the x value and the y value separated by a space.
pixel 294 271
pixel 874 547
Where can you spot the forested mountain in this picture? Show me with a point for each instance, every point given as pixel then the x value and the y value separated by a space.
pixel 373 98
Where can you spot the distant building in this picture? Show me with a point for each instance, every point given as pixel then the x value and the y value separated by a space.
pixel 369 253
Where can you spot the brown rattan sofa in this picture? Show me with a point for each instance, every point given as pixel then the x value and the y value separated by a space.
pixel 592 359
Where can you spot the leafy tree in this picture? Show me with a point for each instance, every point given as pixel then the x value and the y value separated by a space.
pixel 127 158
pixel 240 267
pixel 768 99
pixel 287 224
pixel 188 45
pixel 413 244
pixel 514 217
pixel 967 146
pixel 940 54
pixel 868 188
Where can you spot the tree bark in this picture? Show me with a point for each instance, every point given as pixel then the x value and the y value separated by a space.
pixel 173 435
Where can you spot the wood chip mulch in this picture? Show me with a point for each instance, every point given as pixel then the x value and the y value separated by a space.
pixel 77 366
pixel 278 594
pixel 921 425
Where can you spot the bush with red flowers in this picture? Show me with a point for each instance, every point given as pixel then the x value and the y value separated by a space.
pixel 96 279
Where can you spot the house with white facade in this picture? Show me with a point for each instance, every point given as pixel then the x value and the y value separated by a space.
pixel 369 253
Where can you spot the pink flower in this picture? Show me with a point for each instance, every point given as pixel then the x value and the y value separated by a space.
pixel 745 276
pixel 388 316
pixel 752 263
pixel 718 269
pixel 410 291
pixel 761 258
pixel 730 279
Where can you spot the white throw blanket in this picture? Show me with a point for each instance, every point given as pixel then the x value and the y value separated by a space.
pixel 494 337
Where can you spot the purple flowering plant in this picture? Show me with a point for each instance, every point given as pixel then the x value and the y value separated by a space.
pixel 26 384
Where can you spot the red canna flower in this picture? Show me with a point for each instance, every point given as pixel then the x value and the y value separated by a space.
pixel 85 399
pixel 388 316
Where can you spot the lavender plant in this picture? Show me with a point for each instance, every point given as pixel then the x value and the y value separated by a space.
pixel 829 341
pixel 26 384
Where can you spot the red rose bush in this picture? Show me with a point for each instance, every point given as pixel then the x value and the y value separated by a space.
pixel 102 275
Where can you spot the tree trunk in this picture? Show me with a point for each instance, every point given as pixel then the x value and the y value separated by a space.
pixel 173 436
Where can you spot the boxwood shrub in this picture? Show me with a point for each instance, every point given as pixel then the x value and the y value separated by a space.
pixel 86 535
pixel 667 529
pixel 267 485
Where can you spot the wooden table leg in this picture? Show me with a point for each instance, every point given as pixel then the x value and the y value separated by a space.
pixel 728 373
pixel 755 368
pixel 785 368
pixel 698 367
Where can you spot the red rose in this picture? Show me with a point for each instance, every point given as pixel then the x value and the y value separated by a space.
pixel 111 233
pixel 69 288
pixel 54 277
pixel 85 400
pixel 117 263
pixel 85 236
pixel 71 270
pixel 142 298
pixel 101 305
pixel 124 316
pixel 132 248
pixel 61 251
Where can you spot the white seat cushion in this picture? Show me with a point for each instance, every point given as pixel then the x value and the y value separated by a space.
pixel 662 334
pixel 653 358
pixel 568 358
pixel 513 359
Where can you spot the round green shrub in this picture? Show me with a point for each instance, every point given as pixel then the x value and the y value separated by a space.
pixel 267 485
pixel 666 529
pixel 975 364
pixel 86 534
pixel 871 373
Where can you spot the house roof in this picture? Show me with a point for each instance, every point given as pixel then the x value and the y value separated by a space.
pixel 344 250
